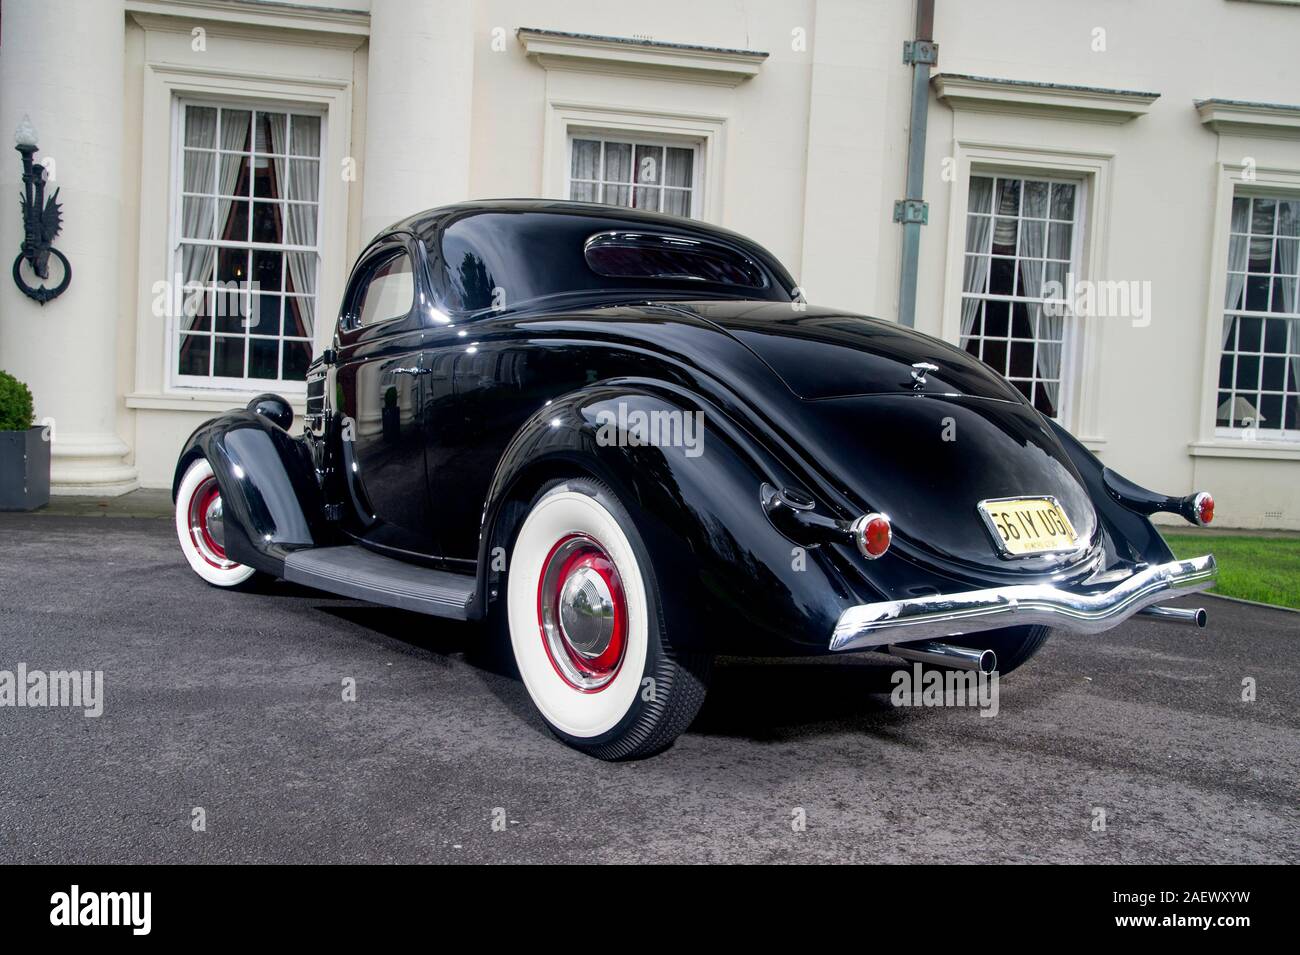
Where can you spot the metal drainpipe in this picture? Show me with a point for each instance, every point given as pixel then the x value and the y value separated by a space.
pixel 913 211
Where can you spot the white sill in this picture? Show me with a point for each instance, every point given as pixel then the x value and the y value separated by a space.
pixel 1242 448
pixel 205 401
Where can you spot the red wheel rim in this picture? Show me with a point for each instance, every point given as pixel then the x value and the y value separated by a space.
pixel 203 512
pixel 582 613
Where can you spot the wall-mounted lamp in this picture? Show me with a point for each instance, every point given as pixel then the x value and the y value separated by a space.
pixel 42 221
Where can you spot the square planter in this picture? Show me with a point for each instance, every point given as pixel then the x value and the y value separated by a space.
pixel 24 470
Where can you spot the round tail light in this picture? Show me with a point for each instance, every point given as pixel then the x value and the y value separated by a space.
pixel 1204 508
pixel 873 534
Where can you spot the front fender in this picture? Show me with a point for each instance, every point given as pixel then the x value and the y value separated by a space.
pixel 271 499
pixel 728 580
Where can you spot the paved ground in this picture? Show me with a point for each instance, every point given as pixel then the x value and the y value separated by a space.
pixel 232 702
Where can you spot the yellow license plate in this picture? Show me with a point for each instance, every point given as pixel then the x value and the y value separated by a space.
pixel 1023 526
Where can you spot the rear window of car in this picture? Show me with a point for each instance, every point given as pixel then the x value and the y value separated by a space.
pixel 505 260
pixel 660 257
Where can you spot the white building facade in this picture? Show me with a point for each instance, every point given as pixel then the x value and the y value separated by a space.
pixel 1112 189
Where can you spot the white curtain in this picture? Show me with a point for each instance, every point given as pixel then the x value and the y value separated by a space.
pixel 299 181
pixel 1288 226
pixel 196 214
pixel 1238 252
pixel 979 231
pixel 1048 323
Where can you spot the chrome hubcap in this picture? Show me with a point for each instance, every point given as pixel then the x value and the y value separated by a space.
pixel 581 613
pixel 587 612
pixel 213 521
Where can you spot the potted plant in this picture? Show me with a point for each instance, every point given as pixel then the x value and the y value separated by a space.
pixel 24 451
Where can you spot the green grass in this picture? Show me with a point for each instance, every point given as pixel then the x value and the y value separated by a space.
pixel 1265 569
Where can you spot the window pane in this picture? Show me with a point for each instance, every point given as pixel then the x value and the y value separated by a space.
pixel 301 275
pixel 234 129
pixel 618 162
pixel 232 220
pixel 585 162
pixel 1008 197
pixel 201 127
pixel 263 357
pixel 197 215
pixel 981 195
pixel 305 131
pixel 618 195
pixel 228 359
pixel 304 180
pixel 272 133
pixel 1058 240
pixel 196 308
pixel 195 355
pixel 677 202
pixel 232 266
pixel 231 309
pixel 268 222
pixel 1062 200
pixel 265 318
pixel 1004 237
pixel 679 166
pixel 234 175
pixel 302 224
pixel 647 199
pixel 199 172
pixel 297 356
pixel 1035 200
pixel 649 166
pixel 267 174
pixel 299 317
pixel 1262 215
pixel 583 191
pixel 267 267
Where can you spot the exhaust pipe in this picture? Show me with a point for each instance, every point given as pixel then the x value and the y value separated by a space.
pixel 1195 616
pixel 945 654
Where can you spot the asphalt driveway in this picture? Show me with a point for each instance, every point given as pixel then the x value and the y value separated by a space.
pixel 233 704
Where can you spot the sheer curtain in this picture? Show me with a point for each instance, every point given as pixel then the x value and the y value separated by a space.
pixel 197 214
pixel 1048 329
pixel 979 232
pixel 1288 252
pixel 298 180
pixel 1238 251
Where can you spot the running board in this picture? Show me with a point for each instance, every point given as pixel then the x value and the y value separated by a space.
pixel 354 571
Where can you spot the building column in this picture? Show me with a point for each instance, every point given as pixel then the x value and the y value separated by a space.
pixel 61 63
pixel 419 89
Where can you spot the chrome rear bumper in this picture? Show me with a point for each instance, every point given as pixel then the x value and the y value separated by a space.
pixel 948 615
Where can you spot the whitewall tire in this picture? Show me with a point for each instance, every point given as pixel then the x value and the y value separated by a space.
pixel 200 528
pixel 585 626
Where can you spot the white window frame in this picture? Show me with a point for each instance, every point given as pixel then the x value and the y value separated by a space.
pixel 705 131
pixel 637 139
pixel 1235 180
pixel 248 385
pixel 1070 333
pixel 1079 396
pixel 329 87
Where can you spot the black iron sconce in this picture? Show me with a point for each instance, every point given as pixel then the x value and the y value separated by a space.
pixel 42 221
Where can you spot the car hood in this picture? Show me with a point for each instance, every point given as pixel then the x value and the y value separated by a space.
pixel 924 453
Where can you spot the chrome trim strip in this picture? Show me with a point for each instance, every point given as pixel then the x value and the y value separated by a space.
pixel 947 615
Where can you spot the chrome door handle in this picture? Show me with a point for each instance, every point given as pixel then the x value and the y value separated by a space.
pixel 411 371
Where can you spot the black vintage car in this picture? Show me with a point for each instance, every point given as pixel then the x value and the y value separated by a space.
pixel 624 437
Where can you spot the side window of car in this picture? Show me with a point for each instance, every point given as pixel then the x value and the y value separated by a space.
pixel 389 292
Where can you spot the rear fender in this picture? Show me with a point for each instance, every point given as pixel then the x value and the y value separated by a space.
pixel 270 496
pixel 728 580
pixel 1127 536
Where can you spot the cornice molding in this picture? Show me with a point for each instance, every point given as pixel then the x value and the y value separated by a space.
pixel 625 55
pixel 1241 116
pixel 962 91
